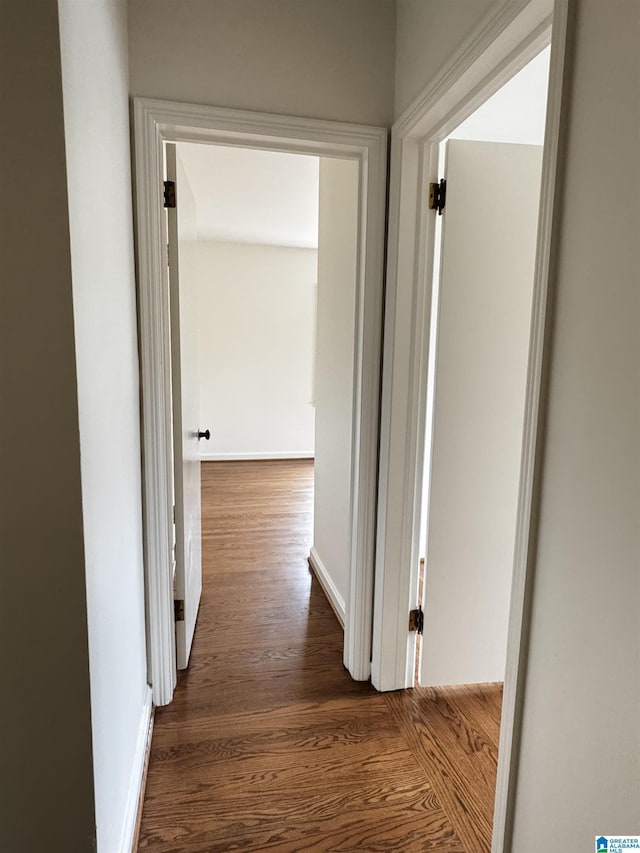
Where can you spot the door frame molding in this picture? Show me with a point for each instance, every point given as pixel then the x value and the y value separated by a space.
pixel 509 36
pixel 157 122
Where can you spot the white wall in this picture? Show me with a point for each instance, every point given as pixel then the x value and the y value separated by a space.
pixel 256 322
pixel 96 112
pixel 515 113
pixel 337 250
pixel 427 33
pixel 45 717
pixel 332 59
pixel 244 195
pixel 579 772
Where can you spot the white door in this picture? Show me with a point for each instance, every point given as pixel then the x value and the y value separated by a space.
pixel 486 284
pixel 185 400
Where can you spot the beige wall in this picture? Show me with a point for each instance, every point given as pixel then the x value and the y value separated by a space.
pixel 580 757
pixel 332 59
pixel 256 333
pixel 47 784
pixel 427 33
pixel 95 83
pixel 334 369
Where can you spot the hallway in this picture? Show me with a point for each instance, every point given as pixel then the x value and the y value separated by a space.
pixel 269 745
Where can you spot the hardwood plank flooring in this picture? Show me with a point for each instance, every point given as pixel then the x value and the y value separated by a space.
pixel 269 745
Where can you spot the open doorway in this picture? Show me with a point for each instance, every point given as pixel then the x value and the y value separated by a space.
pixel 265 716
pixel 490 57
pixel 488 201
pixel 158 123
pixel 477 375
pixel 263 261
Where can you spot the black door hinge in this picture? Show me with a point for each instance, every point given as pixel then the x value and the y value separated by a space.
pixel 416 620
pixel 178 609
pixel 169 194
pixel 438 196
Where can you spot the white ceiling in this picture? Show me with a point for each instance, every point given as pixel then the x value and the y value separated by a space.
pixel 248 196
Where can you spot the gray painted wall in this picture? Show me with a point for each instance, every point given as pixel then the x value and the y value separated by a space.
pixel 47 781
pixel 580 755
pixel 427 33
pixel 332 59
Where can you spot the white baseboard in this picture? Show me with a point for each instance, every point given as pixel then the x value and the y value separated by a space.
pixel 128 836
pixel 329 588
pixel 231 457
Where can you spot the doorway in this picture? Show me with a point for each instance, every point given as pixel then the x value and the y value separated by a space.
pixel 155 124
pixel 263 299
pixel 480 335
pixel 507 39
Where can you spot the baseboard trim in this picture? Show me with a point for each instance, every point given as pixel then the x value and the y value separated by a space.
pixel 233 457
pixel 135 797
pixel 328 587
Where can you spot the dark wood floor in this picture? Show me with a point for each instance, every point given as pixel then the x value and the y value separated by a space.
pixel 269 745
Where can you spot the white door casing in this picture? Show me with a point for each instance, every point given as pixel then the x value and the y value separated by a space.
pixel 489 232
pixel 155 123
pixel 510 36
pixel 182 236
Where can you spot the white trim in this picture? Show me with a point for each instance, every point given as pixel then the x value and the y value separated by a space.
pixel 328 587
pixel 507 38
pixel 258 456
pixel 156 122
pixel 503 42
pixel 137 777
